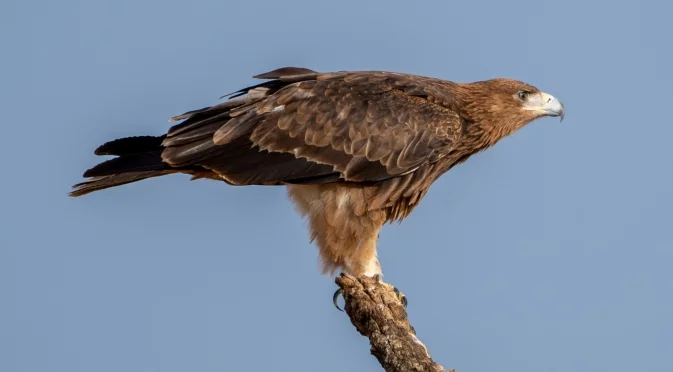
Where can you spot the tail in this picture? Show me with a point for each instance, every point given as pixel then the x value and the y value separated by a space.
pixel 138 158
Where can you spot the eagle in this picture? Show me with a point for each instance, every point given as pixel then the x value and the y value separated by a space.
pixel 354 149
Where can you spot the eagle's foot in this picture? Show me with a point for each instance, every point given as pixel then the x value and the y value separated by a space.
pixel 379 280
pixel 400 295
pixel 339 292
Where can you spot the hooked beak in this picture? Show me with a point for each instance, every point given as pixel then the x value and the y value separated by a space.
pixel 547 105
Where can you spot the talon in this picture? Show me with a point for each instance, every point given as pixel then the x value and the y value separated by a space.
pixel 335 298
pixel 401 296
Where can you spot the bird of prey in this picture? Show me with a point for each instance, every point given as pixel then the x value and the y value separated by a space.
pixel 355 149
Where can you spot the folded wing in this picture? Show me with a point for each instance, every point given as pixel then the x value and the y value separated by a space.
pixel 306 127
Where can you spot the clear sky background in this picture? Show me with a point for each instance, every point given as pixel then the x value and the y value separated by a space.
pixel 550 252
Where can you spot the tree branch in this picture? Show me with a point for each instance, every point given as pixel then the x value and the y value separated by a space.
pixel 377 312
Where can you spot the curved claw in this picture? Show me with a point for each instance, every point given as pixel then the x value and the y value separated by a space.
pixel 335 298
pixel 401 296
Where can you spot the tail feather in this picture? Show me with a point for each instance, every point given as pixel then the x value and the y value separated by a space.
pixel 104 182
pixel 145 161
pixel 138 158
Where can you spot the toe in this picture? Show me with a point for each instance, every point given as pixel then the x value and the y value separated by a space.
pixel 401 296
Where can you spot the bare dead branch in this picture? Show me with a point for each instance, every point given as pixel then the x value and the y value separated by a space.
pixel 378 313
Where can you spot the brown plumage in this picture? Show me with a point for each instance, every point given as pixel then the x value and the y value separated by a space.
pixel 355 149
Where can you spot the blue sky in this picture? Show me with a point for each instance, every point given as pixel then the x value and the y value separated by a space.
pixel 551 251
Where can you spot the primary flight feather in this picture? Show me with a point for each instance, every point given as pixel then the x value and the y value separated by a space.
pixel 354 149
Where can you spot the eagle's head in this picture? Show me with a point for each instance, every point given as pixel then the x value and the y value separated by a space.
pixel 506 105
pixel 516 98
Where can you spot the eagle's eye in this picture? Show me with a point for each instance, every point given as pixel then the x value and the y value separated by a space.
pixel 523 95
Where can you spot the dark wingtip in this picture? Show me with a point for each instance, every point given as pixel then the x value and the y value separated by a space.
pixel 142 162
pixel 284 71
pixel 129 145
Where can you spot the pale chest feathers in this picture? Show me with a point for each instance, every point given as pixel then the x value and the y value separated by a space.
pixel 328 201
pixel 394 198
pixel 340 224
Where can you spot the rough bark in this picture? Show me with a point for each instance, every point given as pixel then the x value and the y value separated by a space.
pixel 378 313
